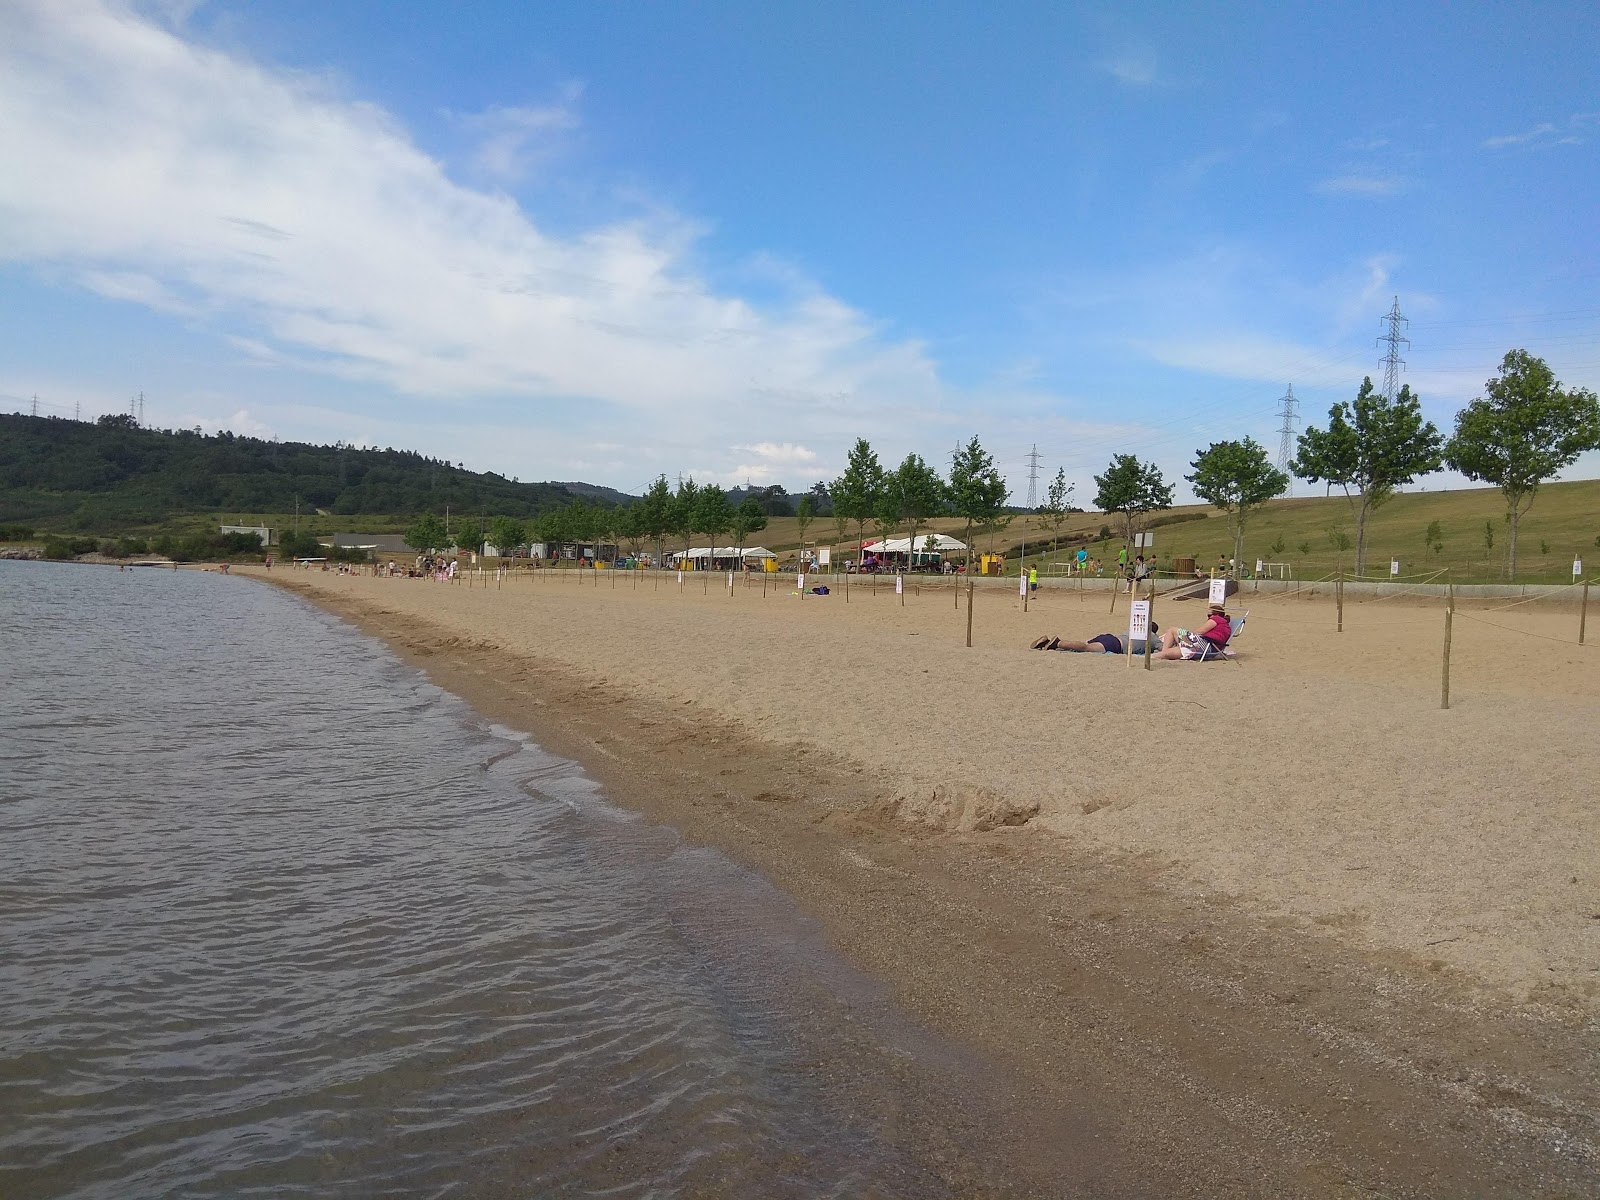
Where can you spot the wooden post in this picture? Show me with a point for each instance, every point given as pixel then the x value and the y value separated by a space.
pixel 1583 612
pixel 1449 617
pixel 1338 600
pixel 969 610
pixel 1150 628
pixel 900 586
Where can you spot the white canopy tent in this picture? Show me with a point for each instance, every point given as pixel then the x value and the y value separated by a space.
pixel 696 553
pixel 925 543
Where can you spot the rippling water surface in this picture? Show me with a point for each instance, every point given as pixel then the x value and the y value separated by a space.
pixel 278 916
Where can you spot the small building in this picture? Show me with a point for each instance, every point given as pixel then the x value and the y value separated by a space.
pixel 261 531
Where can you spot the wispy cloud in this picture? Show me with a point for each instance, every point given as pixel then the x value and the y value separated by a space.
pixel 1537 133
pixel 309 227
pixel 512 140
pixel 1571 132
pixel 1362 185
pixel 1133 68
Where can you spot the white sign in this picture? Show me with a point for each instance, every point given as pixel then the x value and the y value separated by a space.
pixel 1143 539
pixel 1219 591
pixel 1260 566
pixel 1577 567
pixel 1022 582
pixel 802 581
pixel 680 576
pixel 1394 566
pixel 1138 622
pixel 730 581
pixel 899 584
pixel 824 553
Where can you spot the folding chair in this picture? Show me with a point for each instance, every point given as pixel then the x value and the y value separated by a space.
pixel 1209 651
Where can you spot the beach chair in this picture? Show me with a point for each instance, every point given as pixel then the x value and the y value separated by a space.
pixel 1236 624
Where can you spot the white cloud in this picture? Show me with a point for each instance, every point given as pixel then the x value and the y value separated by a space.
pixel 786 452
pixel 512 140
pixel 1362 185
pixel 1520 139
pixel 1136 69
pixel 310 228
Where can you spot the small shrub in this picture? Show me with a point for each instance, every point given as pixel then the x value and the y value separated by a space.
pixel 1277 547
pixel 1304 547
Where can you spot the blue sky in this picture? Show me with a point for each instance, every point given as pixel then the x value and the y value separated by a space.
pixel 604 240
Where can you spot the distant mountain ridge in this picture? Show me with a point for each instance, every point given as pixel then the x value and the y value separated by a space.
pixel 111 475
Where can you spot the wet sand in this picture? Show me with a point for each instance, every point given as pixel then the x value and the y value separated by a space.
pixel 1280 926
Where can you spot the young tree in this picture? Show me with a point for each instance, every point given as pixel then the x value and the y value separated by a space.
pixel 681 515
pixel 977 490
pixel 427 533
pixel 507 534
pixel 1525 429
pixel 1054 509
pixel 631 526
pixel 1236 477
pixel 1131 488
pixel 713 515
pixel 1433 538
pixel 655 515
pixel 1369 449
pixel 805 512
pixel 922 496
pixel 855 493
pixel 887 511
pixel 750 517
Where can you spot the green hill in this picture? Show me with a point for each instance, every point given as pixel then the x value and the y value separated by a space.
pixel 73 476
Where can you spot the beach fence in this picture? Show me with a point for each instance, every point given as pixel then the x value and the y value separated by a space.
pixel 1359 602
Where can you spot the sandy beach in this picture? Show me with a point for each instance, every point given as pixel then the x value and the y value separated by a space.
pixel 1343 938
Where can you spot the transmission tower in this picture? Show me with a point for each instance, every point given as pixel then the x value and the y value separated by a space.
pixel 1393 364
pixel 36 404
pixel 1290 414
pixel 1033 477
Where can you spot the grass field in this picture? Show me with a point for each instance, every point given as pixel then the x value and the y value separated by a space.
pixel 1563 524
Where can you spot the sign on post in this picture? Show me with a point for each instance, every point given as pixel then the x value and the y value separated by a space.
pixel 1260 566
pixel 1577 567
pixel 680 576
pixel 730 581
pixel 1219 591
pixel 802 582
pixel 1394 566
pixel 824 555
pixel 899 584
pixel 1022 582
pixel 1138 625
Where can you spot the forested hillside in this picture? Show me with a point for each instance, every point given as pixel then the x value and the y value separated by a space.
pixel 73 475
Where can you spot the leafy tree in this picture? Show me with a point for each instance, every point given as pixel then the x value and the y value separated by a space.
pixel 922 496
pixel 1056 499
pixel 1488 536
pixel 682 514
pixel 427 533
pixel 507 534
pixel 1369 449
pixel 1237 478
pixel 887 511
pixel 630 526
pixel 1525 429
pixel 804 513
pixel 1131 489
pixel 117 421
pixel 977 490
pixel 750 517
pixel 855 493
pixel 713 514
pixel 655 514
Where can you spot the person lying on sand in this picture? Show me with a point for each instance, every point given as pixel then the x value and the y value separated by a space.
pixel 1100 643
pixel 1208 640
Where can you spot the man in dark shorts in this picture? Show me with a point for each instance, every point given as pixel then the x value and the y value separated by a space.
pixel 1100 643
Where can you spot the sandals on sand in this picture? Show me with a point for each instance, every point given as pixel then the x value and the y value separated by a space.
pixel 1040 643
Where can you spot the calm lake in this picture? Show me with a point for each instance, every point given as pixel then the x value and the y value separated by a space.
pixel 280 917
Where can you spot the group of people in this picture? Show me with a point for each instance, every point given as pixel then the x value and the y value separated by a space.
pixel 1208 641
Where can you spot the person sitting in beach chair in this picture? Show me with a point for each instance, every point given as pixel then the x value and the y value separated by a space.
pixel 1100 643
pixel 1209 641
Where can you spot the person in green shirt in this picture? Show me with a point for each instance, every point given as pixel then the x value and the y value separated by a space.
pixel 1033 579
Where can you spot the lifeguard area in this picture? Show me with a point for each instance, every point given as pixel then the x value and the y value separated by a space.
pixel 1315 781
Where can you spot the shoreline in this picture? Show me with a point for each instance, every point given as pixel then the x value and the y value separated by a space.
pixel 1218 1050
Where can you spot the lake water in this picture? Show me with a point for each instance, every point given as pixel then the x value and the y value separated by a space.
pixel 278 916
